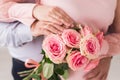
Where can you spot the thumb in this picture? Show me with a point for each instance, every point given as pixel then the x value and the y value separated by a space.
pixel 104 48
pixel 91 65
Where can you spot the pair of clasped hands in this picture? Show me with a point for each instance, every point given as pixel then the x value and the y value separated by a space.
pixel 53 20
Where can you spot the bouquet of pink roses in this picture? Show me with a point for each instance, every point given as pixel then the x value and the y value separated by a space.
pixel 73 49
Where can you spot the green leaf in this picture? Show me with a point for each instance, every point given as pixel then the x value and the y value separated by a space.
pixel 29 76
pixel 73 49
pixel 54 77
pixel 43 52
pixel 43 61
pixel 36 77
pixel 39 69
pixel 48 70
pixel 59 71
pixel 69 51
pixel 65 75
pixel 46 56
pixel 60 68
pixel 63 66
pixel 76 28
pixel 48 60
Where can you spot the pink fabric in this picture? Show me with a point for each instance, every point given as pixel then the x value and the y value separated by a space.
pixel 95 13
pixel 4 7
pixel 11 11
pixel 22 12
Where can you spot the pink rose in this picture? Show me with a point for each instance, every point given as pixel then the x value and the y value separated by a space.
pixel 54 48
pixel 71 38
pixel 100 37
pixel 86 30
pixel 90 46
pixel 89 30
pixel 75 60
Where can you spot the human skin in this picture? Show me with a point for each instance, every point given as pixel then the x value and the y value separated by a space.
pixel 96 69
pixel 101 71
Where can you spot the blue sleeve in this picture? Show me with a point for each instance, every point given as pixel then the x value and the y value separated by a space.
pixel 14 34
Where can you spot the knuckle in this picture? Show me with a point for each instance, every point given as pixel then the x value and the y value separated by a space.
pixel 91 75
pixel 49 28
pixel 48 24
pixel 45 26
pixel 40 23
pixel 55 8
pixel 52 24
pixel 42 30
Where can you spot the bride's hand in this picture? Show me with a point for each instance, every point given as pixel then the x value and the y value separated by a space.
pixel 46 28
pixel 100 72
pixel 52 14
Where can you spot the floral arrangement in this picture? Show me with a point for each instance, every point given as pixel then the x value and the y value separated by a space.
pixel 73 49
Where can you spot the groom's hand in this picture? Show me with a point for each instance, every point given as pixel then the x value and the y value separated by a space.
pixel 52 14
pixel 46 28
pixel 100 72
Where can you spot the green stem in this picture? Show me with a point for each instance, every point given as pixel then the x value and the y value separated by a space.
pixel 29 76
pixel 24 72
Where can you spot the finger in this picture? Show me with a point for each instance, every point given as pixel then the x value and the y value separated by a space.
pixel 91 65
pixel 53 20
pixel 51 28
pixel 63 12
pixel 91 74
pixel 98 77
pixel 67 17
pixel 58 27
pixel 46 32
pixel 59 16
pixel 95 77
pixel 40 30
pixel 104 77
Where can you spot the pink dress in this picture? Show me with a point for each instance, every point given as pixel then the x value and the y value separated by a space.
pixel 94 13
pixel 98 13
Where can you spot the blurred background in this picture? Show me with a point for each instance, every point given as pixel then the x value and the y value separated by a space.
pixel 5 68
